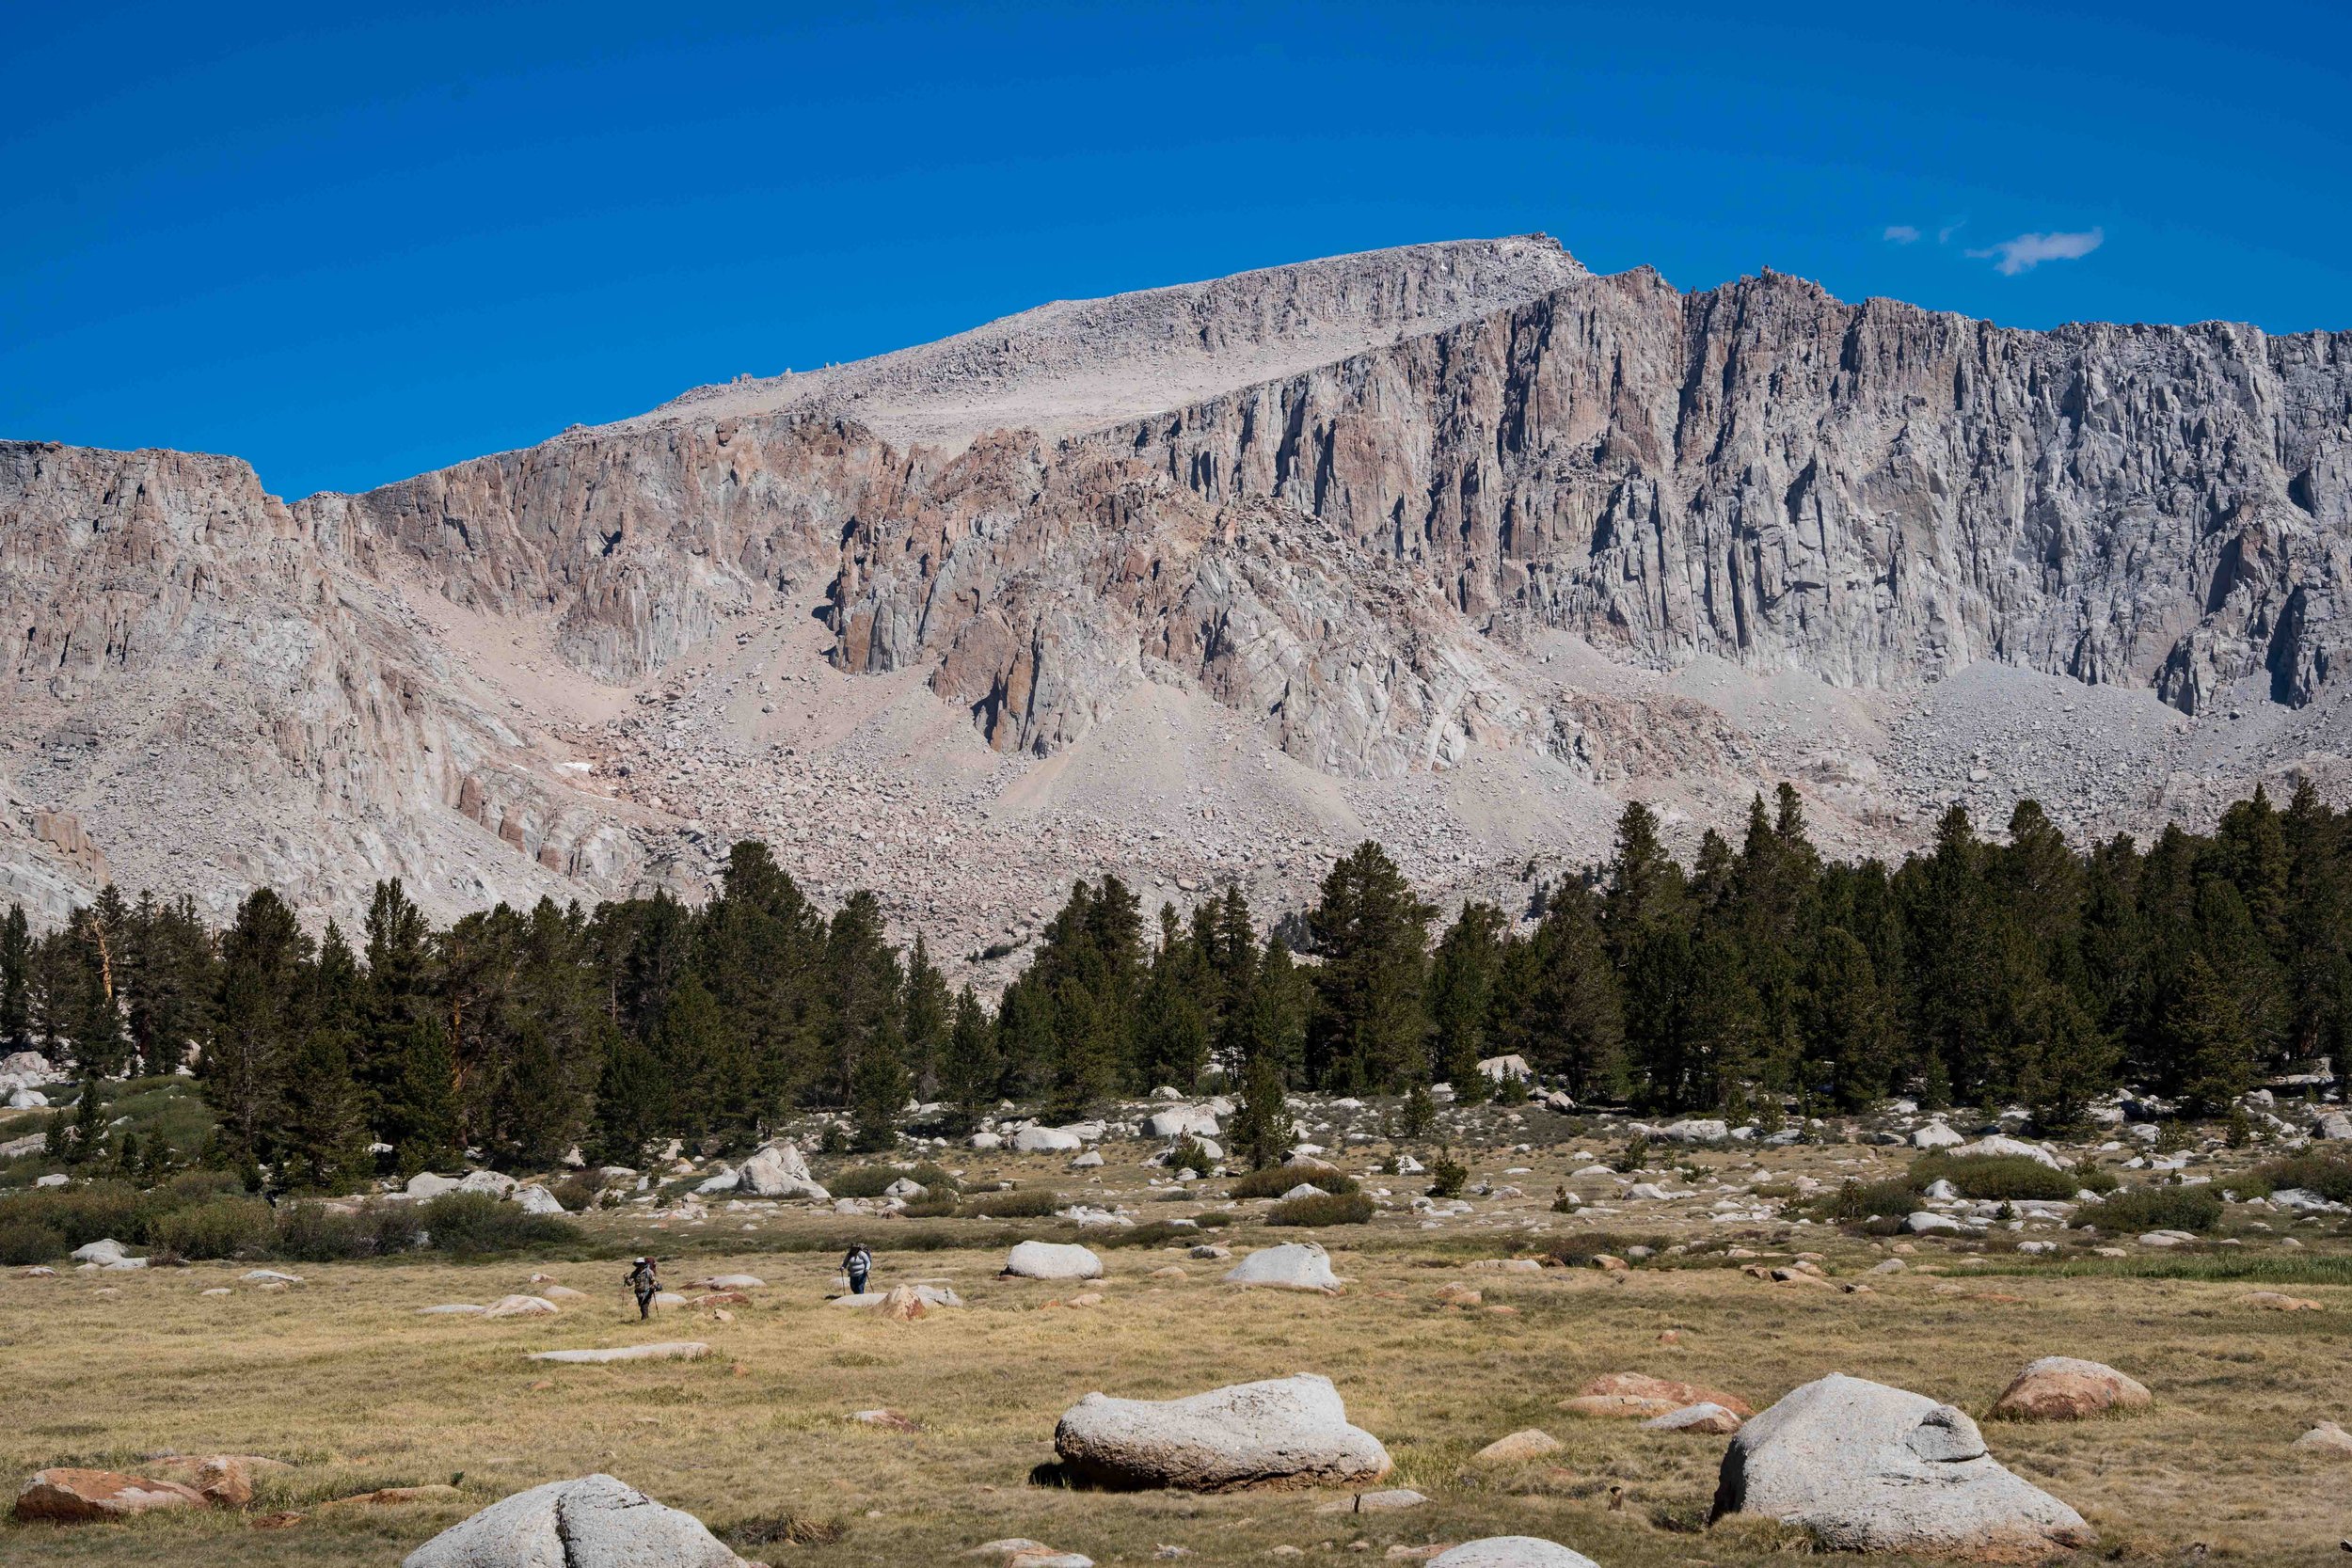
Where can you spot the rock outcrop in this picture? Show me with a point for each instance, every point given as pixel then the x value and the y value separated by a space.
pixel 1280 1432
pixel 595 1522
pixel 1052 1261
pixel 1289 1266
pixel 1375 514
pixel 1866 1467
pixel 68 1495
pixel 2063 1389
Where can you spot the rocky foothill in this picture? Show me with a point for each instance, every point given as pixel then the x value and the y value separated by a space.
pixel 1455 547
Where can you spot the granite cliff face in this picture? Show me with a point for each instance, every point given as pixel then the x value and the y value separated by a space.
pixel 1471 541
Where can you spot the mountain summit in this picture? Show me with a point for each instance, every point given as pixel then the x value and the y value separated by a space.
pixel 1455 545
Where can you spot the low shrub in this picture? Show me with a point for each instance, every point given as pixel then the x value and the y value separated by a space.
pixel 1855 1201
pixel 1274 1180
pixel 932 1206
pixel 1447 1175
pixel 1995 1176
pixel 466 1225
pixel 1349 1208
pixel 1155 1233
pixel 870 1180
pixel 83 1212
pixel 1020 1204
pixel 220 1227
pixel 2329 1174
pixel 1578 1251
pixel 2196 1208
pixel 313 1233
pixel 26 1241
pixel 1190 1155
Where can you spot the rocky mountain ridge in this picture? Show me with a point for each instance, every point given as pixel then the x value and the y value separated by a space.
pixel 1455 545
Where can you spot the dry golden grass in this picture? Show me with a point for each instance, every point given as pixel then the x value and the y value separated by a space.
pixel 341 1376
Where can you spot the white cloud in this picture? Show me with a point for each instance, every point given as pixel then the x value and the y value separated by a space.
pixel 2028 251
pixel 1901 233
pixel 1944 235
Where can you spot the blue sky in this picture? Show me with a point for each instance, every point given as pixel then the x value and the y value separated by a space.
pixel 351 244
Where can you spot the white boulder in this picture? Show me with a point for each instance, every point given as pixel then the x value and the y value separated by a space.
pixel 424 1185
pixel 1936 1134
pixel 1046 1140
pixel 2001 1144
pixel 1865 1468
pixel 780 1170
pixel 1052 1261
pixel 1511 1551
pixel 1283 1432
pixel 595 1522
pixel 1291 1266
pixel 534 1199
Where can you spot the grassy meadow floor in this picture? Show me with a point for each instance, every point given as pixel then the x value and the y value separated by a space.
pixel 340 1376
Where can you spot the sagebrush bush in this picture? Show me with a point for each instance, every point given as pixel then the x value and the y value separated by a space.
pixel 870 1180
pixel 1995 1176
pixel 25 1241
pixel 2197 1208
pixel 1578 1251
pixel 2329 1174
pixel 221 1227
pixel 1275 1180
pixel 466 1225
pixel 1350 1208
pixel 313 1233
pixel 1021 1204
pixel 1855 1201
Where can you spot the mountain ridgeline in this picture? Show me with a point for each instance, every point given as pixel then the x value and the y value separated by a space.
pixel 1343 501
pixel 1760 978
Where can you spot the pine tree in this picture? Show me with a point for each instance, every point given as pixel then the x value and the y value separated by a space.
pixel 1556 999
pixel 89 1124
pixel 322 1133
pixel 971 1069
pixel 16 981
pixel 1849 1022
pixel 1368 1028
pixel 1463 975
pixel 1261 1132
pixel 258 1018
pixel 1173 1014
pixel 929 1009
pixel 632 1103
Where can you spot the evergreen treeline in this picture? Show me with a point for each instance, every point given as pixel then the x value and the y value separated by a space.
pixel 1977 972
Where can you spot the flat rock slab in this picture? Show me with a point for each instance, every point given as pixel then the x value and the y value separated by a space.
pixel 1710 1418
pixel 1511 1551
pixel 1283 1432
pixel 669 1350
pixel 1865 1468
pixel 1530 1444
pixel 1640 1386
pixel 594 1521
pixel 71 1496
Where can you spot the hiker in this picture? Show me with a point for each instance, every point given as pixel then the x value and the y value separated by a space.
pixel 646 1284
pixel 857 1265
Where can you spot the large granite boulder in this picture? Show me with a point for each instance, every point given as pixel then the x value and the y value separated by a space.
pixel 1866 1467
pixel 1291 1266
pixel 2061 1388
pixel 1283 1432
pixel 779 1170
pixel 595 1522
pixel 1052 1261
pixel 1511 1551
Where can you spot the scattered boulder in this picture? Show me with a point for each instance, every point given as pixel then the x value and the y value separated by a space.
pixel 2276 1301
pixel 1865 1468
pixel 561 1294
pixel 1999 1143
pixel 2061 1388
pixel 1291 1266
pixel 1283 1431
pixel 452 1309
pixel 672 1350
pixel 522 1306
pixel 425 1186
pixel 1052 1261
pixel 1046 1140
pixel 595 1522
pixel 1935 1134
pixel 269 1276
pixel 1529 1443
pixel 780 1170
pixel 2327 1439
pixel 534 1199
pixel 496 1183
pixel 1920 1221
pixel 1511 1551
pixel 886 1419
pixel 70 1496
pixel 105 1253
pixel 1708 1417
pixel 733 1282
pixel 1677 1395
